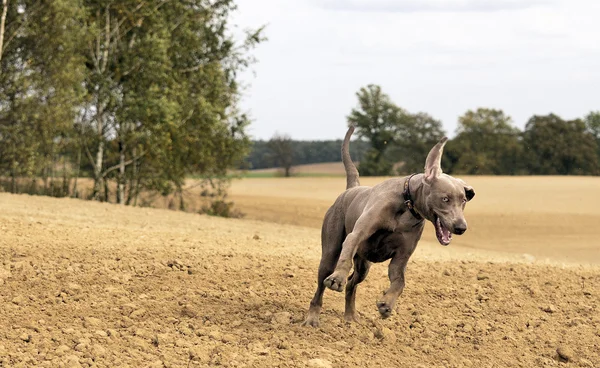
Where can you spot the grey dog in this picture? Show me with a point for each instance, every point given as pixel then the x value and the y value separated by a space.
pixel 374 224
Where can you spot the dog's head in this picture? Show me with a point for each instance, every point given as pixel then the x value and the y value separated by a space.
pixel 446 197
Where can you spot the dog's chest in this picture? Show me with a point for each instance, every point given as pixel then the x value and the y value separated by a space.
pixel 381 246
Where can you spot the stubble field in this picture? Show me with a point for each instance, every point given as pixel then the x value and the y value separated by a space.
pixel 91 284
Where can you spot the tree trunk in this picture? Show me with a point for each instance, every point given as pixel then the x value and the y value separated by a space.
pixel 98 171
pixel 52 177
pixel 3 26
pixel 287 171
pixel 106 191
pixel 75 194
pixel 134 176
pixel 13 179
pixel 65 188
pixel 121 178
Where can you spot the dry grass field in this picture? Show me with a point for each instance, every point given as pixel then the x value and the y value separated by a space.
pixel 87 284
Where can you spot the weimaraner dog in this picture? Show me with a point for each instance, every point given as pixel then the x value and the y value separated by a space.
pixel 374 224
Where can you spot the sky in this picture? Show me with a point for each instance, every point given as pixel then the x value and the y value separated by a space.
pixel 442 57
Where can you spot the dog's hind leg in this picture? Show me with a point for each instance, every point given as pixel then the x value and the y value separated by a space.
pixel 361 269
pixel 332 236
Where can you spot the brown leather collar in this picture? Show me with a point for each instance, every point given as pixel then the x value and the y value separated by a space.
pixel 410 204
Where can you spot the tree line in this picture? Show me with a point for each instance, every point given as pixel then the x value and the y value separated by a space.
pixel 136 94
pixel 394 141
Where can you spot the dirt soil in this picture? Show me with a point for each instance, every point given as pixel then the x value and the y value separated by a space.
pixel 97 285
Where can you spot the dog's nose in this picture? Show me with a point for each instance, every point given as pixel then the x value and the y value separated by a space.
pixel 460 229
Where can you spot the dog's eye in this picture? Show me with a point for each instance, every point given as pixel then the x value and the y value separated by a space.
pixel 445 199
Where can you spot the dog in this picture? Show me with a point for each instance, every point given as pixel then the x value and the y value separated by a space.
pixel 374 224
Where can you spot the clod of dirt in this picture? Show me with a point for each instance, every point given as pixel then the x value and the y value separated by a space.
pixel 18 300
pixel 446 273
pixel 385 334
pixel 549 308
pixel 258 348
pixel 482 276
pixel 282 318
pixel 565 354
pixel 138 313
pixel 319 363
pixel 256 237
pixel 198 354
pixel 72 361
pixel 25 337
pixel 90 322
pixel 189 311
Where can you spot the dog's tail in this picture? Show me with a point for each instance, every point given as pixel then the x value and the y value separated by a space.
pixel 351 172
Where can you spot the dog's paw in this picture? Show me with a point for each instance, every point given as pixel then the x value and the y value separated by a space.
pixel 335 282
pixel 352 318
pixel 311 321
pixel 385 309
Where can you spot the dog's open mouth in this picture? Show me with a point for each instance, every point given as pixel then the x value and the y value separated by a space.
pixel 444 236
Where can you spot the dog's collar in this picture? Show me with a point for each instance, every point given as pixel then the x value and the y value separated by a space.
pixel 408 199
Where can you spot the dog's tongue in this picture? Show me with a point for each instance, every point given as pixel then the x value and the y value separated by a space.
pixel 443 235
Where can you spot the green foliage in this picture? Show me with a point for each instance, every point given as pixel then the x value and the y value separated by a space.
pixel 143 93
pixel 396 136
pixel 558 147
pixel 282 152
pixel 486 143
pixel 304 152
pixel 377 120
pixel 413 141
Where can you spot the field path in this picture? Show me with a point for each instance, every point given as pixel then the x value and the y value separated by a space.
pixel 91 284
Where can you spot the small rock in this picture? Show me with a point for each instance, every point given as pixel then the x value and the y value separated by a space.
pixel 25 337
pixel 215 335
pixel 198 354
pixel 258 348
pixel 73 288
pixel 256 237
pixel 189 311
pixel 81 347
pixel 136 314
pixel 98 350
pixel 101 333
pixel 482 276
pixel 319 363
pixel 482 298
pixel 90 322
pixel 61 350
pixel 549 309
pixel 446 273
pixel 565 354
pixel 18 300
pixel 72 361
pixel 282 318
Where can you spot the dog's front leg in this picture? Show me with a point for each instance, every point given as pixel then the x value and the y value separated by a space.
pixel 396 272
pixel 337 280
pixel 365 226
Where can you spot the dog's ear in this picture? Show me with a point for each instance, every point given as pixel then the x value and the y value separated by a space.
pixel 433 164
pixel 469 192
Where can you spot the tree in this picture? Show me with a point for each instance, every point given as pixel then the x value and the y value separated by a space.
pixel 413 139
pixel 282 152
pixel 592 122
pixel 558 147
pixel 144 93
pixel 377 119
pixel 486 143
